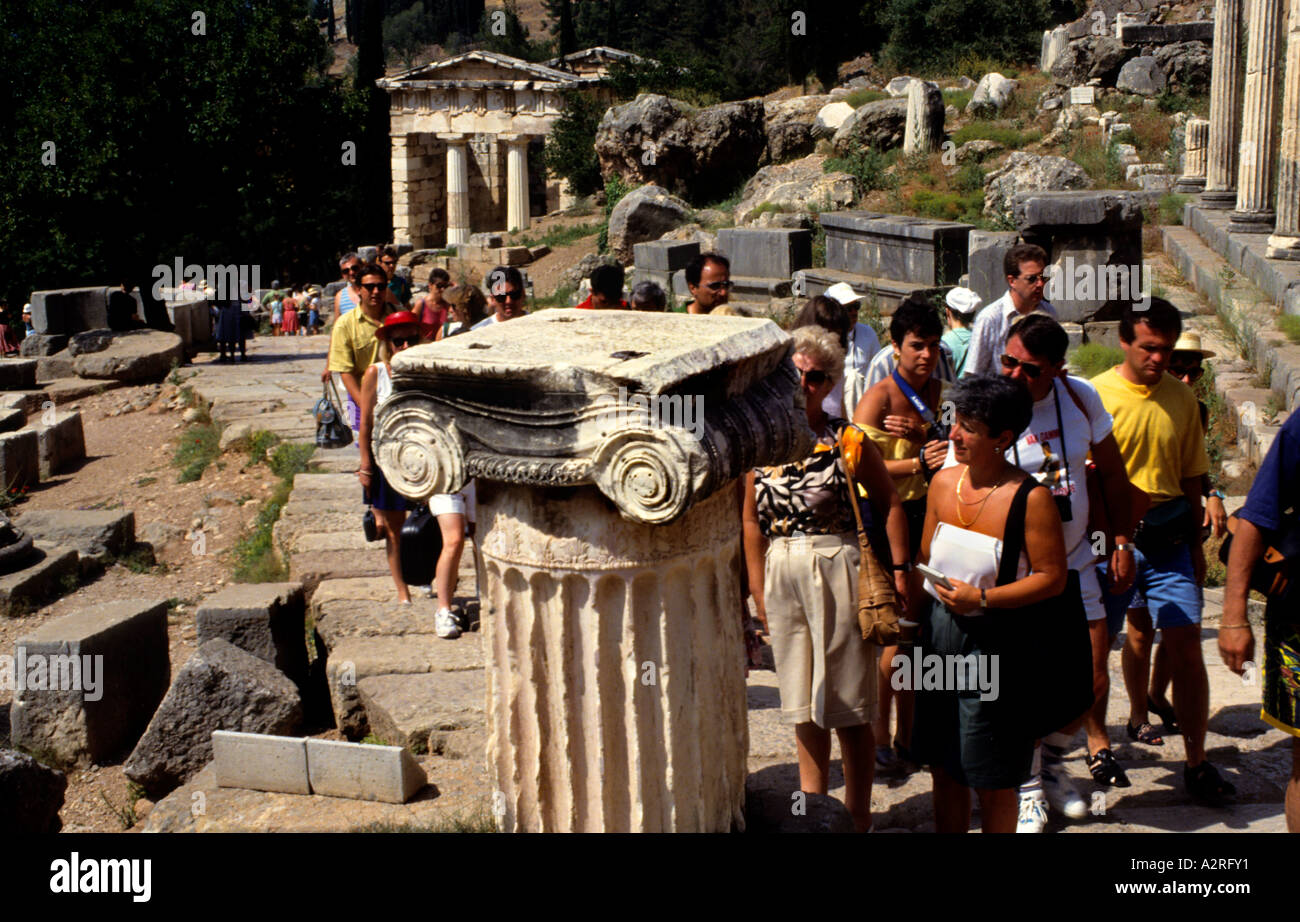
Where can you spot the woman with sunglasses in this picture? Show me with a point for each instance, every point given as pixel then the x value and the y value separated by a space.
pixel 466 306
pixel 899 415
pixel 399 332
pixel 431 307
pixel 805 583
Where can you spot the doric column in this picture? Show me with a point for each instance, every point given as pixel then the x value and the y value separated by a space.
pixel 1254 212
pixel 611 522
pixel 1195 136
pixel 1285 242
pixel 458 229
pixel 403 171
pixel 1225 109
pixel 918 136
pixel 516 181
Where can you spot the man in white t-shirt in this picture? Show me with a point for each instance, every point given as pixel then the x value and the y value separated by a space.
pixel 863 344
pixel 1069 422
pixel 506 293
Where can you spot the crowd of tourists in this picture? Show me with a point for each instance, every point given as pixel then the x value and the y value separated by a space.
pixel 989 509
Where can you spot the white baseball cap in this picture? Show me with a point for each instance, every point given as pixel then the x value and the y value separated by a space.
pixel 844 293
pixel 963 301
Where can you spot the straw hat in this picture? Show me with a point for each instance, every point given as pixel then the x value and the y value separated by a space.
pixel 1191 342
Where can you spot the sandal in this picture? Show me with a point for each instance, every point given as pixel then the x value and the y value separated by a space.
pixel 1206 785
pixel 1106 771
pixel 1144 734
pixel 1166 714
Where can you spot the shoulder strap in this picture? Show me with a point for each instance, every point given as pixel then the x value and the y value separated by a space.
pixel 853 487
pixel 913 398
pixel 1065 380
pixel 1013 534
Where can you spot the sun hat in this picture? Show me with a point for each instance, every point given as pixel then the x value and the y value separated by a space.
pixel 403 319
pixel 963 301
pixel 1191 342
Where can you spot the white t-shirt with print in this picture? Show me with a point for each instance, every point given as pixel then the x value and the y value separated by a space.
pixel 1039 450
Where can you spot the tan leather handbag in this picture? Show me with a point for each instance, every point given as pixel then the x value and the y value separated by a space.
pixel 877 602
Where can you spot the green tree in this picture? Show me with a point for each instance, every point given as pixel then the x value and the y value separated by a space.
pixel 570 150
pixel 502 31
pixel 934 34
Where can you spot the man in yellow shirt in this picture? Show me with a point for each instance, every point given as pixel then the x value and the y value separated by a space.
pixel 352 341
pixel 1158 430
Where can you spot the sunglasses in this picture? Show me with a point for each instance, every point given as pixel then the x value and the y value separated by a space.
pixel 351 269
pixel 512 295
pixel 1191 372
pixel 1035 279
pixel 373 286
pixel 720 286
pixel 1011 363
pixel 400 341
pixel 816 377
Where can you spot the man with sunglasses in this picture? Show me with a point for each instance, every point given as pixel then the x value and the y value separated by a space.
pixel 506 291
pixel 398 286
pixel 352 341
pixel 1025 266
pixel 1158 429
pixel 1069 421
pixel 708 278
pixel 348 296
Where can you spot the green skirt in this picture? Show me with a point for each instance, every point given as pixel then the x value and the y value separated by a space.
pixel 975 741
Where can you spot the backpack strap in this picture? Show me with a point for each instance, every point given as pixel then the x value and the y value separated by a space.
pixel 1013 533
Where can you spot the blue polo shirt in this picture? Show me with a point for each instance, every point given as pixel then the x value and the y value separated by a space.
pixel 1276 485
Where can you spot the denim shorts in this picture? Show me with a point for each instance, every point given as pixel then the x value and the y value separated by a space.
pixel 1167 581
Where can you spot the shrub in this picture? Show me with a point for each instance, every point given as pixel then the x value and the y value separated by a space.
pixel 864 96
pixel 1290 325
pixel 570 151
pixel 1093 358
pixel 1170 209
pixel 868 168
pixel 198 447
pixel 1008 136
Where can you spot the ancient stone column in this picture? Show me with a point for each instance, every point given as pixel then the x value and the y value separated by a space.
pixel 1254 212
pixel 1195 136
pixel 1285 241
pixel 402 170
pixel 606 448
pixel 917 134
pixel 516 182
pixel 1225 109
pixel 458 229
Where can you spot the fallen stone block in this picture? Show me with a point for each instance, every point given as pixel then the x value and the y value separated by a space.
pixel 99 533
pixel 12 420
pixel 27 401
pixel 513 256
pixel 90 341
pixel 19 460
pixel 37 344
pixel 50 573
pixel 665 255
pixel 768 810
pixel 18 374
pixel 101 673
pixel 133 356
pixel 60 441
pixel 264 619
pixel 237 435
pixel 70 310
pixel 260 763
pixel 220 688
pixel 31 794
pixel 388 774
pixel 404 709
pixel 53 367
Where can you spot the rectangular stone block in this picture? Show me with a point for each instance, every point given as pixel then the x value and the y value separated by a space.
pixel 19 459
pixel 111 668
pixel 388 774
pixel 41 579
pixel 986 250
pixel 1134 33
pixel 70 310
pixel 1115 210
pixel 260 762
pixel 53 367
pixel 918 250
pixel 403 709
pixel 513 256
pixel 664 255
pixel 98 533
pixel 1102 332
pixel 193 322
pixel 766 253
pixel 18 374
pixel 60 442
pixel 264 619
pixel 1083 95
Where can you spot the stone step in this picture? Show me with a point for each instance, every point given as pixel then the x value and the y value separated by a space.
pixel 66 390
pixel 53 574
pixel 312 543
pixel 404 709
pixel 322 565
pixel 342 618
pixel 409 654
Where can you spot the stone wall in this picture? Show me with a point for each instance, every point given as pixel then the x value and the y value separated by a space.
pixel 487 182
pixel 419 190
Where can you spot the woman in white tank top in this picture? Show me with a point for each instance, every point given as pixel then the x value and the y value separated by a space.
pixel 964 737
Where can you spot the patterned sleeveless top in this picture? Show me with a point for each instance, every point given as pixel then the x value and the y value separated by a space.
pixel 811 496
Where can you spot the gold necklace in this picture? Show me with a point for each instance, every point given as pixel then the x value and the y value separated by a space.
pixel 982 502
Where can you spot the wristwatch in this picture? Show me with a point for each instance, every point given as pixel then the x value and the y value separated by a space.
pixel 1124 547
pixel 1216 493
pixel 984 598
pixel 903 567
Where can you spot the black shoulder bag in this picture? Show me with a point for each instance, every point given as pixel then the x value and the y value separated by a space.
pixel 1046 665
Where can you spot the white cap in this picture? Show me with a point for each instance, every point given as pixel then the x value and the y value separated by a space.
pixel 844 293
pixel 963 300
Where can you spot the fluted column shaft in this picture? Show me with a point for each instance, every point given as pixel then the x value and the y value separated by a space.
pixel 516 183
pixel 1254 211
pixel 458 227
pixel 1225 109
pixel 1195 136
pixel 615 682
pixel 1285 242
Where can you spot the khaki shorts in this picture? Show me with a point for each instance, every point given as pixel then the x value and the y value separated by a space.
pixel 825 670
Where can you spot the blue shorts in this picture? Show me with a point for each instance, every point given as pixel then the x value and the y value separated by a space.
pixel 1166 580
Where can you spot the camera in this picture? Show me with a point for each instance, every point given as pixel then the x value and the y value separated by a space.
pixel 1064 507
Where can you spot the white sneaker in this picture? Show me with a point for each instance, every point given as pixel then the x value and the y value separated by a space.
pixel 444 622
pixel 1062 794
pixel 1033 813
